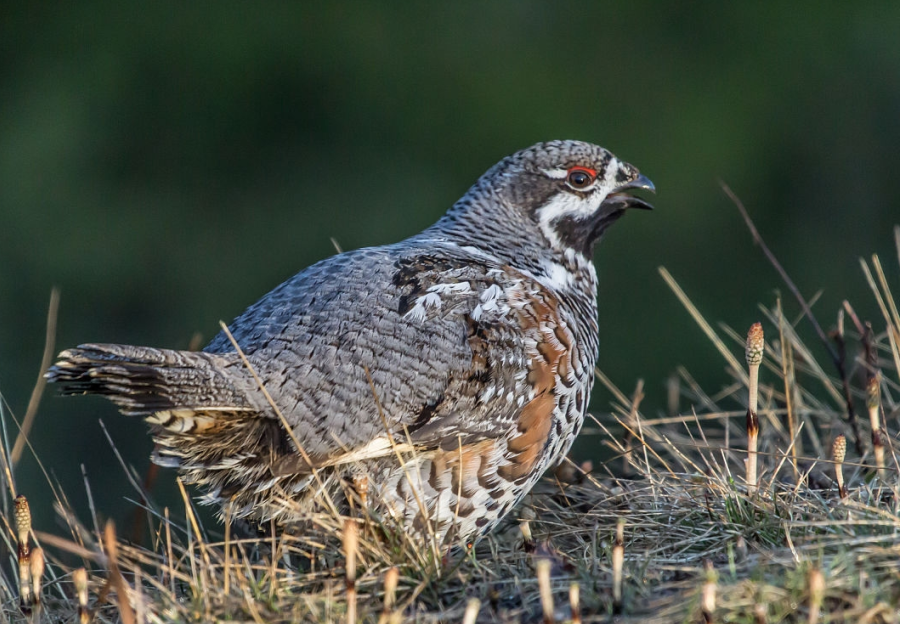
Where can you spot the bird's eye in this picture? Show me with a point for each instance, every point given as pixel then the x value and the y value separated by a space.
pixel 579 178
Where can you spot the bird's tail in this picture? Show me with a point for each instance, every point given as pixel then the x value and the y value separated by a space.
pixel 200 416
pixel 143 381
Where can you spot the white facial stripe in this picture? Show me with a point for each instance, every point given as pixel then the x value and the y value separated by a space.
pixel 566 205
pixel 556 174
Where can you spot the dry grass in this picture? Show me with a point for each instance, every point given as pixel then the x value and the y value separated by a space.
pixel 694 544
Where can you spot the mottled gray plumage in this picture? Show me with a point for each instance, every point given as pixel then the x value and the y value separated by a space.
pixel 468 349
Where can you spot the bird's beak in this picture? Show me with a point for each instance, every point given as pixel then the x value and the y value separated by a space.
pixel 640 182
pixel 621 199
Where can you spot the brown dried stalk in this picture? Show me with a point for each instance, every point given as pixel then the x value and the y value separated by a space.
pixel 38 391
pixel 116 580
pixel 790 387
pixel 838 336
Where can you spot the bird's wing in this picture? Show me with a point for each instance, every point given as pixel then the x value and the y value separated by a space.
pixel 435 347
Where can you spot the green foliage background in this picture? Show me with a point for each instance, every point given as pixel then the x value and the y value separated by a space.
pixel 165 164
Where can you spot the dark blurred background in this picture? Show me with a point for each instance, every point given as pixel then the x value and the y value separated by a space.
pixel 167 164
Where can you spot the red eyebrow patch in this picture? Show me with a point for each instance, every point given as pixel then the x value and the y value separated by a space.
pixel 590 172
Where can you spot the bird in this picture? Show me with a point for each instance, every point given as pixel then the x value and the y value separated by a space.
pixel 432 381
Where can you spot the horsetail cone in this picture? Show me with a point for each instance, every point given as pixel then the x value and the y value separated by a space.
pixel 756 345
pixel 23 521
pixel 839 448
pixel 873 392
pixel 23 528
pixel 838 452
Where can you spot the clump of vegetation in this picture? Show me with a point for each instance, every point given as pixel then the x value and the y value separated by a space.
pixel 710 521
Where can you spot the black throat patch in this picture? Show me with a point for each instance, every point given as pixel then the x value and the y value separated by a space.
pixel 582 234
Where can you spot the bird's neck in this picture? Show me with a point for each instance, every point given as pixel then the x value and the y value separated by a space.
pixel 521 248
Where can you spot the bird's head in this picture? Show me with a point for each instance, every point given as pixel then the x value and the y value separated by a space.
pixel 567 192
